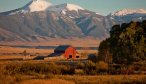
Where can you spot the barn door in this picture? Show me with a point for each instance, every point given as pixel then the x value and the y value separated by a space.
pixel 70 56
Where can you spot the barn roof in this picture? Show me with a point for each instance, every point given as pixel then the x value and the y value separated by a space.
pixel 55 54
pixel 62 47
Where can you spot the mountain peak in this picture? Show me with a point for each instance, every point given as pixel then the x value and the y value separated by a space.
pixel 38 5
pixel 66 6
pixel 73 7
pixel 63 8
pixel 128 11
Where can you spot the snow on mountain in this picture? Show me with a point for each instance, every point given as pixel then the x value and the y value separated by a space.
pixel 65 7
pixel 127 15
pixel 43 5
pixel 98 13
pixel 73 7
pixel 32 6
pixel 128 11
pixel 39 5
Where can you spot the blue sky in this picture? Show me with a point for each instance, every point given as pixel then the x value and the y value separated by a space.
pixel 101 6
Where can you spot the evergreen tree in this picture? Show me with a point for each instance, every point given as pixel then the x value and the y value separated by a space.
pixel 127 44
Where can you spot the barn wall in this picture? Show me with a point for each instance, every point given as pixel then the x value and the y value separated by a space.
pixel 70 51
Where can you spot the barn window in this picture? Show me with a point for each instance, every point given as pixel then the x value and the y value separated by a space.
pixel 77 56
pixel 70 56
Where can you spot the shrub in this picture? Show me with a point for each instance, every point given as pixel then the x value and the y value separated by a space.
pixel 80 65
pixel 79 72
pixel 92 57
pixel 102 67
pixel 38 68
pixel 5 79
pixel 30 69
pixel 90 68
pixel 66 69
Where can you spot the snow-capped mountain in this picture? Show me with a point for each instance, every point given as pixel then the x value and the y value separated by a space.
pixel 128 15
pixel 66 7
pixel 35 21
pixel 38 5
pixel 128 11
pixel 43 5
pixel 40 20
pixel 32 6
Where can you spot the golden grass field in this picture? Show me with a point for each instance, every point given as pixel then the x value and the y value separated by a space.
pixel 7 52
pixel 71 79
pixel 45 81
pixel 7 49
pixel 76 42
pixel 101 79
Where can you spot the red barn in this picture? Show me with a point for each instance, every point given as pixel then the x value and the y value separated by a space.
pixel 66 51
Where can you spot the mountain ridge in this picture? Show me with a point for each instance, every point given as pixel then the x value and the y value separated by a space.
pixel 58 21
pixel 42 5
pixel 128 11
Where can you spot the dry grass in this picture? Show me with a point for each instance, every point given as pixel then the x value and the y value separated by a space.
pixel 68 79
pixel 77 42
pixel 6 49
pixel 107 79
pixel 101 79
pixel 49 81
pixel 7 52
pixel 10 57
pixel 88 51
pixel 24 61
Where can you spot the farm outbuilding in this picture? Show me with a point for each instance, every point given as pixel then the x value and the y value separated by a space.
pixel 65 51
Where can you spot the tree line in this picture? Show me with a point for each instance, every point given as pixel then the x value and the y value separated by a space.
pixel 126 44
